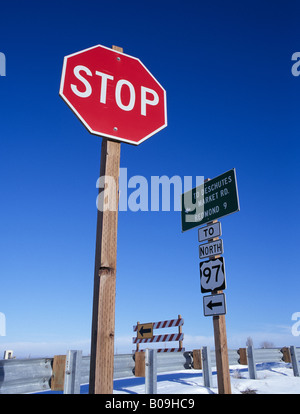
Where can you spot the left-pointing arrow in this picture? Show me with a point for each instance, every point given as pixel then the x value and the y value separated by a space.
pixel 212 304
pixel 143 331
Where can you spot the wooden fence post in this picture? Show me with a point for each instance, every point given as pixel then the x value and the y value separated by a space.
pixel 139 360
pixel 58 373
pixel 286 355
pixel 243 356
pixel 197 360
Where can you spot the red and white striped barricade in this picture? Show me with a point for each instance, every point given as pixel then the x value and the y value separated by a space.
pixel 149 327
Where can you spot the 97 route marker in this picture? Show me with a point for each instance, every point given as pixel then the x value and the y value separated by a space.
pixel 212 275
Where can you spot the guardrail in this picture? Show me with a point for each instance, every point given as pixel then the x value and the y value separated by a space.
pixel 257 356
pixel 20 376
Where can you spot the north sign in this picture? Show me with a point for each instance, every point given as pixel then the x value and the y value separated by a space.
pixel 211 200
pixel 113 94
pixel 211 249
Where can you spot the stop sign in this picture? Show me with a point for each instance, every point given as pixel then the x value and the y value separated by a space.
pixel 113 94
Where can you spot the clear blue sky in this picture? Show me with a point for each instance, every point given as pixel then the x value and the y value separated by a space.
pixel 232 103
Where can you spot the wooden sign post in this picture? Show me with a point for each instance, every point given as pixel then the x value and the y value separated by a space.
pixel 212 271
pixel 120 114
pixel 221 351
pixel 103 320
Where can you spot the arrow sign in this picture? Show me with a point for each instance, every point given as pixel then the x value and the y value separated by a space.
pixel 214 305
pixel 145 330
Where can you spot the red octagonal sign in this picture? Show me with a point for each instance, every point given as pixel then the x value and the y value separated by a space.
pixel 113 94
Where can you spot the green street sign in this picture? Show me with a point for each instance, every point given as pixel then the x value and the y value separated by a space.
pixel 209 201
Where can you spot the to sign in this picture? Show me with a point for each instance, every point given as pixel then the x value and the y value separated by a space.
pixel 212 275
pixel 113 94
pixel 209 232
pixel 214 305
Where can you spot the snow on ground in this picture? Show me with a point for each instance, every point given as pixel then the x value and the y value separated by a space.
pixel 272 378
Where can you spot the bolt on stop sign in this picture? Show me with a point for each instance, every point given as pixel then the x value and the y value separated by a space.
pixel 113 94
